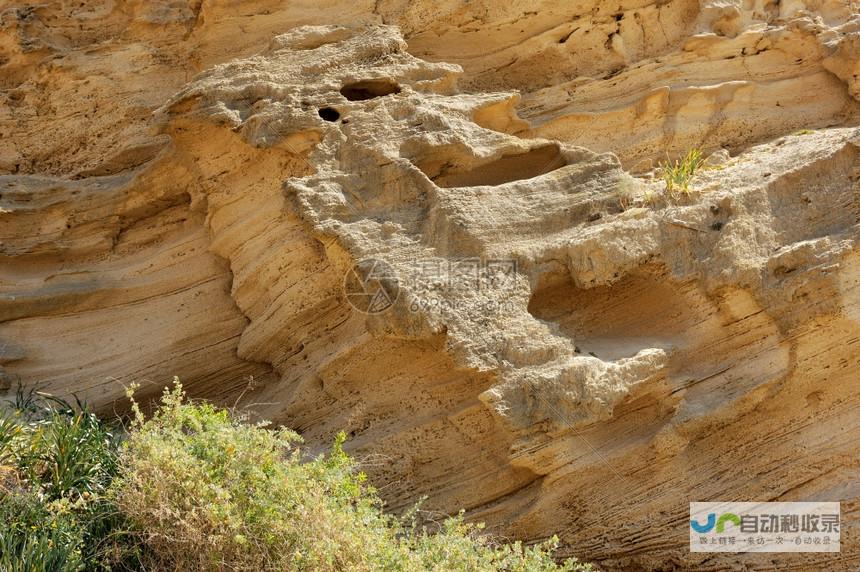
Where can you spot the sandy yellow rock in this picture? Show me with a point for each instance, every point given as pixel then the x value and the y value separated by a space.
pixel 185 187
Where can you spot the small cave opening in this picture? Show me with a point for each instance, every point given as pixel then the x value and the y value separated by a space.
pixel 506 169
pixel 647 308
pixel 329 113
pixel 369 89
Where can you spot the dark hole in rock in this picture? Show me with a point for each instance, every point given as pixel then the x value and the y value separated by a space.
pixel 329 114
pixel 508 168
pixel 645 309
pixel 368 89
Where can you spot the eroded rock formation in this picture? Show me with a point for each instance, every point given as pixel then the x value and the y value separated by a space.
pixel 196 188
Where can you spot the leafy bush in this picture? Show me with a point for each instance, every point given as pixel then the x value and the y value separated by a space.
pixel 209 492
pixel 194 488
pixel 34 539
pixel 56 463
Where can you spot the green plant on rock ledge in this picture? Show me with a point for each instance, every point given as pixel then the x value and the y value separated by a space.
pixel 677 174
pixel 651 198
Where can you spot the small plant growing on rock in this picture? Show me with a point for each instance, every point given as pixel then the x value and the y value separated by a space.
pixel 625 192
pixel 624 196
pixel 651 198
pixel 625 199
pixel 678 174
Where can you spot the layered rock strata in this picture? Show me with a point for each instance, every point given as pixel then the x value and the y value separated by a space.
pixel 340 229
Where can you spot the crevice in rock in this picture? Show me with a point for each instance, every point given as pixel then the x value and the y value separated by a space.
pixel 369 89
pixel 646 309
pixel 508 168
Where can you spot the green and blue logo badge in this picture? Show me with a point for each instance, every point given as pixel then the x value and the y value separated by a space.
pixel 712 521
pixel 790 526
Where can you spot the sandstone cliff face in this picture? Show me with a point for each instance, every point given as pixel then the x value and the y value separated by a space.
pixel 202 188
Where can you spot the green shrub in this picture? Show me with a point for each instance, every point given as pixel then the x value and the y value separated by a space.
pixel 56 462
pixel 196 489
pixel 35 539
pixel 209 492
pixel 678 174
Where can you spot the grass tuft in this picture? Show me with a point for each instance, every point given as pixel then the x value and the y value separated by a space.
pixel 57 461
pixel 678 174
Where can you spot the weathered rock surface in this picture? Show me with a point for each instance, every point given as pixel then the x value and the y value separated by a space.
pixel 199 189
